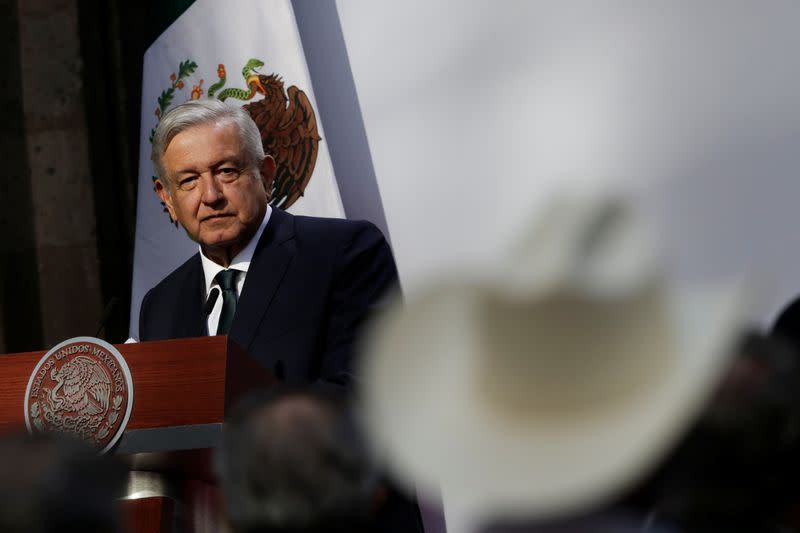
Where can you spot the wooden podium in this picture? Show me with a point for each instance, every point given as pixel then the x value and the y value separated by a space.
pixel 181 391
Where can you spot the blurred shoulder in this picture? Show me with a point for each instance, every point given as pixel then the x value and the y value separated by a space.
pixel 787 325
pixel 337 231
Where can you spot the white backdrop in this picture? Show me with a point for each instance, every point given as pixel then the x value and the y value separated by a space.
pixel 475 109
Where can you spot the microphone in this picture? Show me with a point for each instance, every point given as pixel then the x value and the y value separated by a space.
pixel 280 370
pixel 109 309
pixel 212 299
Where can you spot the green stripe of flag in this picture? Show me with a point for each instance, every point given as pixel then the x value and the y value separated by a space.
pixel 162 13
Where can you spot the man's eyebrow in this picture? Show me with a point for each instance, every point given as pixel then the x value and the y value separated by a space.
pixel 230 160
pixel 234 160
pixel 183 171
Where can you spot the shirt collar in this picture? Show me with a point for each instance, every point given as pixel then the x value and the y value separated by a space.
pixel 242 259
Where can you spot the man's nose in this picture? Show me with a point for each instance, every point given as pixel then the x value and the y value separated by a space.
pixel 210 189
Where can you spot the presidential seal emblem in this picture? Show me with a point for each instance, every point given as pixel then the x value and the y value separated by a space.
pixel 82 387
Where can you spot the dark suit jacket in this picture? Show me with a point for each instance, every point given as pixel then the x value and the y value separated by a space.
pixel 787 325
pixel 310 287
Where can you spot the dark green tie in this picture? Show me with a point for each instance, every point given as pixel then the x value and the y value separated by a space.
pixel 227 282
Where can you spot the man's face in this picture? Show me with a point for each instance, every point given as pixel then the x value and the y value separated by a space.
pixel 212 191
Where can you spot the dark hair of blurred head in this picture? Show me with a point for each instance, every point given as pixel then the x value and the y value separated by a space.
pixel 52 483
pixel 293 460
pixel 735 468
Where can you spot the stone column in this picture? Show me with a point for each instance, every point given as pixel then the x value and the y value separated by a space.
pixel 20 321
pixel 60 176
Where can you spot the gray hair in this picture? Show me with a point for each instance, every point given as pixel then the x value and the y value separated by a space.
pixel 206 111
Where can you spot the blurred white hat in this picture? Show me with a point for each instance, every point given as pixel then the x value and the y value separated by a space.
pixel 550 384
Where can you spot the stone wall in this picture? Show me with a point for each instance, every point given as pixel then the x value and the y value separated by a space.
pixel 69 90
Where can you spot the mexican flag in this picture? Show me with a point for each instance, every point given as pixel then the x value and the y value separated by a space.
pixel 246 53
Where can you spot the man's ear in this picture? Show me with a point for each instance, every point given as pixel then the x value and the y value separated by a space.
pixel 166 197
pixel 268 169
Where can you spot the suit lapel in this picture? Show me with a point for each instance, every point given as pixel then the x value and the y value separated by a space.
pixel 267 269
pixel 192 323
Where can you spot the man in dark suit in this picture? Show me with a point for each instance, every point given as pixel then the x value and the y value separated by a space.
pixel 293 291
pixel 302 286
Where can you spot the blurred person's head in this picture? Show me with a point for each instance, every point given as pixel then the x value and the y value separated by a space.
pixel 51 483
pixel 293 460
pixel 733 470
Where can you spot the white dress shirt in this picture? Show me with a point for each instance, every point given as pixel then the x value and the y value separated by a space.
pixel 241 263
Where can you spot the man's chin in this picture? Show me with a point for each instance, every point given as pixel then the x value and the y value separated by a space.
pixel 217 244
pixel 219 239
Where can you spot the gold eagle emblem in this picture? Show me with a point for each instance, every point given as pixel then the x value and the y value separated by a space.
pixel 289 133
